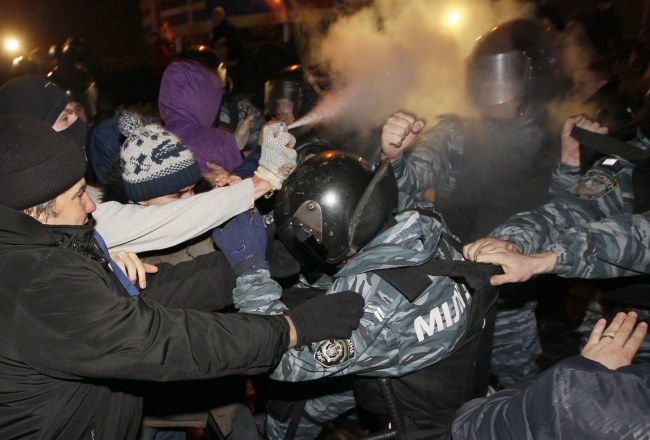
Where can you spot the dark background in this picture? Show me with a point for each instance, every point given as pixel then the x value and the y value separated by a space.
pixel 113 29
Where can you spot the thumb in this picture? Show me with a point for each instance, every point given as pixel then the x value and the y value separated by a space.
pixel 417 126
pixel 498 280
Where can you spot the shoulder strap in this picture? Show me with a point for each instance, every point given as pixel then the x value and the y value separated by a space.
pixel 608 145
pixel 412 281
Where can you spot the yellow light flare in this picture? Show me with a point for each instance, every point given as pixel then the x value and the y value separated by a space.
pixel 453 19
pixel 12 45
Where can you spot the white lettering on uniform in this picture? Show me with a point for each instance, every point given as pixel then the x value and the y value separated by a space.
pixel 459 304
pixel 379 314
pixel 424 329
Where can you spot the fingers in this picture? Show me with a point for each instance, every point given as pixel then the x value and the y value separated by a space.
pixel 636 339
pixel 571 122
pixel 615 345
pixel 150 268
pixel 487 245
pixel 622 331
pixel 590 125
pixel 613 328
pixel 232 179
pixel 597 332
pixel 398 132
pixel 132 267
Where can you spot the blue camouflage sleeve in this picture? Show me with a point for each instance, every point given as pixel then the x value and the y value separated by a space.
pixel 564 179
pixel 616 246
pixel 430 162
pixel 605 190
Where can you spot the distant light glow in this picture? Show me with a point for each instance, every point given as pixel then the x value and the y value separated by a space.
pixel 453 18
pixel 11 44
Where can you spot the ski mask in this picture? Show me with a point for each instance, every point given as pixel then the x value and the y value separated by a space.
pixel 77 133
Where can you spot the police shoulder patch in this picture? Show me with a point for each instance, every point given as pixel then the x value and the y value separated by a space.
pixel 335 352
pixel 595 183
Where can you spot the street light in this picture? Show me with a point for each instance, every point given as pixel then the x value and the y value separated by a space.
pixel 12 45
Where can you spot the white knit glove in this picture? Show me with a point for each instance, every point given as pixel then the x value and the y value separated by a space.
pixel 278 157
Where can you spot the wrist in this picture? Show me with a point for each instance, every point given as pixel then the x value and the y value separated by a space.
pixel 260 187
pixel 546 262
pixel 293 335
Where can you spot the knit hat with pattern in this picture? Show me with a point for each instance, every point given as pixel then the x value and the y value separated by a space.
pixel 36 165
pixel 155 163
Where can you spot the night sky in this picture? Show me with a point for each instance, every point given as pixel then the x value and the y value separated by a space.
pixel 112 28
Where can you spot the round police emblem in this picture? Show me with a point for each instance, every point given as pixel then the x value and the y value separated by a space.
pixel 334 352
pixel 594 184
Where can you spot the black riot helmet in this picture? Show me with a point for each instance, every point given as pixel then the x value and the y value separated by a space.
pixel 288 93
pixel 331 206
pixel 75 50
pixel 79 84
pixel 516 60
pixel 209 58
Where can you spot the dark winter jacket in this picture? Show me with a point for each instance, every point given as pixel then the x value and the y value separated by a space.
pixel 576 399
pixel 74 346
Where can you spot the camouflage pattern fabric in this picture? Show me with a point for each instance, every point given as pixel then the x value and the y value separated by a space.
pixel 482 173
pixel 395 336
pixel 316 413
pixel 605 190
pixel 616 246
pixel 590 227
pixel 516 345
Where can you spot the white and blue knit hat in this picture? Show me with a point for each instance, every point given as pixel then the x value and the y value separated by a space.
pixel 154 161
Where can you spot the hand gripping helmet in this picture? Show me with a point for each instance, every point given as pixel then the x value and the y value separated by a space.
pixel 515 60
pixel 331 206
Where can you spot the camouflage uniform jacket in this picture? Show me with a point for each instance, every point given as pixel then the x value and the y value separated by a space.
pixel 481 172
pixel 616 246
pixel 395 336
pixel 604 190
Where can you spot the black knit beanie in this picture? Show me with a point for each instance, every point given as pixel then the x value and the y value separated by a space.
pixel 34 96
pixel 36 165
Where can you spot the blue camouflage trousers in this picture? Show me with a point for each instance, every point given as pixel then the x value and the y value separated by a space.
pixel 516 344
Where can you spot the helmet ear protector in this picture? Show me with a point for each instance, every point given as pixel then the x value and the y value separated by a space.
pixel 331 206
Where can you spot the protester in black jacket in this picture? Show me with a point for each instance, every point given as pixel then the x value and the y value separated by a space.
pixel 597 395
pixel 77 339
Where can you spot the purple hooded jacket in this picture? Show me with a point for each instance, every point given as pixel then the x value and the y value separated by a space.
pixel 190 96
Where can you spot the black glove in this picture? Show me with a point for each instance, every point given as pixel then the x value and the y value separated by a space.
pixel 327 317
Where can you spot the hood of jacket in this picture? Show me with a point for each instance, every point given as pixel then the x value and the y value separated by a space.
pixel 189 101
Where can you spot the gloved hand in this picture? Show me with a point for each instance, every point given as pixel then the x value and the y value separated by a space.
pixel 243 242
pixel 327 317
pixel 278 157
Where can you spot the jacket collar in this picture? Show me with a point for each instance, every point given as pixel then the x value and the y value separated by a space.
pixel 18 230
